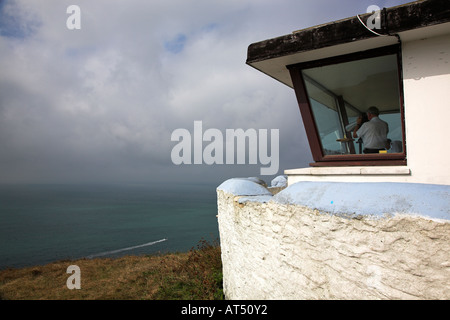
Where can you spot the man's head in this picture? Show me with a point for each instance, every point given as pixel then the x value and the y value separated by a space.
pixel 372 112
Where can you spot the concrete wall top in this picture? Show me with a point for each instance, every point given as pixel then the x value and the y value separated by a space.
pixel 368 199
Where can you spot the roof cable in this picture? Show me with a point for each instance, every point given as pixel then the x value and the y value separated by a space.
pixel 379 34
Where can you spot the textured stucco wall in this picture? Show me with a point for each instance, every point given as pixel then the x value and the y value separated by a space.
pixel 318 240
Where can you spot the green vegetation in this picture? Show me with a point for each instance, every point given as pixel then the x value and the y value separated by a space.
pixel 193 275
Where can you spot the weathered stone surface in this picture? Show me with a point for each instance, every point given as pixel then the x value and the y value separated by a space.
pixel 273 250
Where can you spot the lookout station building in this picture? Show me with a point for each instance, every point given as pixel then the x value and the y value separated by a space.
pixel 396 59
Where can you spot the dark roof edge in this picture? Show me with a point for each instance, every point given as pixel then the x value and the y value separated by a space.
pixel 397 19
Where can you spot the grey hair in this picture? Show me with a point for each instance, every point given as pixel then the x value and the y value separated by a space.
pixel 373 110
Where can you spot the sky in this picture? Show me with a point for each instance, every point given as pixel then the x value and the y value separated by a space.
pixel 99 104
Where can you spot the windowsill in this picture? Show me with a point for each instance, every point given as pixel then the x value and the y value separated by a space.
pixel 350 171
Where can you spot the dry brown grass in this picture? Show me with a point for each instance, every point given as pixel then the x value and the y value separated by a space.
pixel 192 275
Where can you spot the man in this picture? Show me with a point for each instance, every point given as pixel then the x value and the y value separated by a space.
pixel 373 132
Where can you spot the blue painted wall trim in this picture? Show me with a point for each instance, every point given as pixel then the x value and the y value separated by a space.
pixel 353 199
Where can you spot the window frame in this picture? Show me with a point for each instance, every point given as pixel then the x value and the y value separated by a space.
pixel 320 159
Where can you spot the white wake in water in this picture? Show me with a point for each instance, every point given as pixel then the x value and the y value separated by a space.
pixel 125 249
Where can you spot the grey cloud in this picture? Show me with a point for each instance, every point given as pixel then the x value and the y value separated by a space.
pixel 100 103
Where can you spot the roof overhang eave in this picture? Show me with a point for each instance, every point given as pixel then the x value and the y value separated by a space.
pixel 416 20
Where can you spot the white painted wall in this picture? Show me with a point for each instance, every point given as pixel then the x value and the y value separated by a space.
pixel 426 80
pixel 300 245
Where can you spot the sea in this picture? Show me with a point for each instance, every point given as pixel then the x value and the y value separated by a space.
pixel 40 224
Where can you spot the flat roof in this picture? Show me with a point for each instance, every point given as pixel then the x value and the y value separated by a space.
pixel 414 20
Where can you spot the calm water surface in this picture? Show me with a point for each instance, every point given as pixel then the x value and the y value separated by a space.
pixel 45 223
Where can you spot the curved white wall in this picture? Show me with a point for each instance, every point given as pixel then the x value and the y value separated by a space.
pixel 315 241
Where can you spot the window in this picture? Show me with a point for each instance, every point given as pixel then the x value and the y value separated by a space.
pixel 334 92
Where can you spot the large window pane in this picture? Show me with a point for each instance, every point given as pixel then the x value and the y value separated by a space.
pixel 340 93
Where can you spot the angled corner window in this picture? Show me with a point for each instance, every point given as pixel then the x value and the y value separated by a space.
pixel 333 93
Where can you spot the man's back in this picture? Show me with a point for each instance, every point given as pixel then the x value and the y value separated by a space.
pixel 374 133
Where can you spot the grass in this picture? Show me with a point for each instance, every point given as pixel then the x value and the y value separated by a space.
pixel 193 275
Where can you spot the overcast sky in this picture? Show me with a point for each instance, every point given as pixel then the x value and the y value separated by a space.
pixel 99 104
